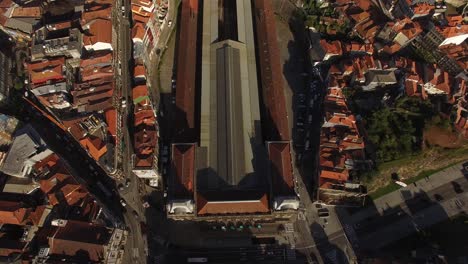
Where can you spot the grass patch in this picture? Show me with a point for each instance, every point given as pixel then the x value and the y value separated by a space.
pixel 427 173
pixel 391 187
pixel 384 190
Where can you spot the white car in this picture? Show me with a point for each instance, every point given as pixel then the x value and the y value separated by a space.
pixel 169 23
pixel 123 203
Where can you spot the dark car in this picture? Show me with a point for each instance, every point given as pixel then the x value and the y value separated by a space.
pixel 127 182
pixel 438 197
pixel 457 187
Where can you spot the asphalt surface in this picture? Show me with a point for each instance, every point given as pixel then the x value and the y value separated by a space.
pixel 136 246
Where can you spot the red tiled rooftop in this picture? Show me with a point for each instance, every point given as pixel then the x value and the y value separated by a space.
pixel 423 9
pixel 27 12
pixel 139 70
pixel 138 31
pixel 100 30
pixel 333 47
pixel 46 70
pixel 186 72
pixel 144 117
pixel 95 146
pixel 335 175
pixel 271 72
pixel 183 165
pixel 99 59
pixel 139 90
pixel 78 237
pixel 92 73
pixel 239 202
pixel 139 18
pixel 12 213
pixel 111 120
pixel 57 179
pixel 88 16
pixel 59 25
pixel 280 156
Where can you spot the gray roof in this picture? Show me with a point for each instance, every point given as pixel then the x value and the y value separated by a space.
pixel 230 132
pixel 50 88
pixel 381 77
pixel 316 52
pixel 27 147
pixel 22 24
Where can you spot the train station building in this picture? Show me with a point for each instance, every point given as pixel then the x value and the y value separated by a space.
pixel 231 152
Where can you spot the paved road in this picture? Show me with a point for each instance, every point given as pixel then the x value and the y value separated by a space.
pixel 136 247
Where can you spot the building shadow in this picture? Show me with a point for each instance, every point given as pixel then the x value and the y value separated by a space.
pixel 305 133
pixel 231 242
pixel 380 231
pixel 329 252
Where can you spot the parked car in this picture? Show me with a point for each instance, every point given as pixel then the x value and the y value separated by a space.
pixel 127 182
pixel 123 203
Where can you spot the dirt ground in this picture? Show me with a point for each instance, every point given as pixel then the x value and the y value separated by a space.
pixel 436 136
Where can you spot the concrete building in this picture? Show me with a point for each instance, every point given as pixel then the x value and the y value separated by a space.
pixel 226 154
pixel 27 149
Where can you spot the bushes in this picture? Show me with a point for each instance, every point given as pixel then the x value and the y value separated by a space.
pixel 398 132
pixel 392 133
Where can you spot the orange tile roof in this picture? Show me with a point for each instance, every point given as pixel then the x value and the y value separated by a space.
pixel 80 237
pixel 92 73
pixel 144 117
pixel 282 173
pixel 423 9
pixel 111 120
pixel 139 18
pixel 331 157
pixel 57 179
pixel 12 213
pixel 448 32
pixel 334 175
pixel 138 31
pixel 145 3
pixel 139 70
pixel 32 12
pixel 100 30
pixel 49 162
pixel 88 16
pixel 95 146
pixel 59 25
pixel 99 59
pixel 183 164
pixel 333 47
pixel 454 20
pixel 240 202
pixel 73 193
pixel 139 90
pixel 44 71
